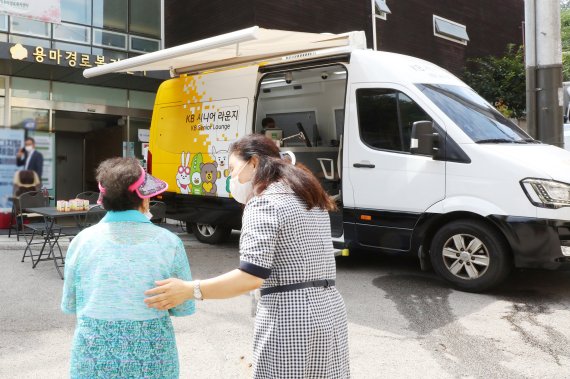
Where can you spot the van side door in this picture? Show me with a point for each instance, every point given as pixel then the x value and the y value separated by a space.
pixel 391 188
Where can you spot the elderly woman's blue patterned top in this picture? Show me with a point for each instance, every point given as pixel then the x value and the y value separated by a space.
pixel 107 269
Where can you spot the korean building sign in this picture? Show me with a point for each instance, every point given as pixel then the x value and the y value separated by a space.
pixel 68 58
pixel 42 10
pixel 59 57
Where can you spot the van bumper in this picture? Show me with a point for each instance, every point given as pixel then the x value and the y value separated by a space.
pixel 536 243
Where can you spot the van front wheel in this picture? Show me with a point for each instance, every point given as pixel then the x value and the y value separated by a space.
pixel 211 234
pixel 470 255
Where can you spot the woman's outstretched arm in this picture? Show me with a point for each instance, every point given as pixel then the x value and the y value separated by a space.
pixel 172 292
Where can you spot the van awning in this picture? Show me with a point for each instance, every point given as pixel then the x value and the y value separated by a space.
pixel 249 45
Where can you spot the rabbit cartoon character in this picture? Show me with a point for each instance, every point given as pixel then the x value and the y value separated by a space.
pixel 183 175
pixel 221 159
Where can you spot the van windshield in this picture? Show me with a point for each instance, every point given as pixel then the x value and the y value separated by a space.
pixel 474 115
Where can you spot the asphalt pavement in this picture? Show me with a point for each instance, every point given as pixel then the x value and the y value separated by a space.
pixel 403 323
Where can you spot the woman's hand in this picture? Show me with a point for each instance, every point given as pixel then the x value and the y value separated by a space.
pixel 169 293
pixel 173 292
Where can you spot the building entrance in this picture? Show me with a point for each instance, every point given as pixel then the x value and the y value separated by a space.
pixel 82 141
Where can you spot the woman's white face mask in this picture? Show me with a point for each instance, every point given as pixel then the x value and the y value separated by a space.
pixel 242 192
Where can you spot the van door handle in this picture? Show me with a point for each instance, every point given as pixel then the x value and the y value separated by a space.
pixel 364 165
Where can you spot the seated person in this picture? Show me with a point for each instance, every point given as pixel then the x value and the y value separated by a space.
pixel 267 123
pixel 25 181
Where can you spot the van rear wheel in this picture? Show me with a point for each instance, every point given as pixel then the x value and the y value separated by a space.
pixel 470 255
pixel 211 234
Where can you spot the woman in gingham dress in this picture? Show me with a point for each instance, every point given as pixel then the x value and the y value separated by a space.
pixel 286 250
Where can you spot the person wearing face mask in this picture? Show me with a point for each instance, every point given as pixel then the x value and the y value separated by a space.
pixel 285 251
pixel 108 266
pixel 30 158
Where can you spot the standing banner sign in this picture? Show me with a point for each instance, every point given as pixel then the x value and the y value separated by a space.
pixel 42 10
pixel 11 140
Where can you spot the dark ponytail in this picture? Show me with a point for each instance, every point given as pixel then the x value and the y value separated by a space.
pixel 272 168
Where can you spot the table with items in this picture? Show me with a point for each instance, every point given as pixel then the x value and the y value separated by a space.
pixel 51 234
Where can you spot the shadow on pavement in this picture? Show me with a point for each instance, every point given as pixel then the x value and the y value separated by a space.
pixel 521 282
pixel 431 311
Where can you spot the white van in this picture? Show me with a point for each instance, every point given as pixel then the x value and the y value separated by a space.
pixel 418 162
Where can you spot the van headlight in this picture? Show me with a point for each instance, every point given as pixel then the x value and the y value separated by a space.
pixel 547 193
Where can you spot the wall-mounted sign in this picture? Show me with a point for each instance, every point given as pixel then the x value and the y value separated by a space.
pixel 42 10
pixel 69 58
pixel 57 57
pixel 144 135
pixel 61 57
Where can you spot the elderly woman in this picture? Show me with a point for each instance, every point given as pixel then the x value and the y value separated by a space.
pixel 107 269
pixel 286 249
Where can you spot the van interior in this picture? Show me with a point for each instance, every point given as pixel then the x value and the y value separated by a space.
pixel 307 107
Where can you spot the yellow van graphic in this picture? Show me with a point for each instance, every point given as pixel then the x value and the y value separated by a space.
pixel 195 120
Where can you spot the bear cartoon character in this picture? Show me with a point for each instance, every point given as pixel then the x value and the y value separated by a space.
pixel 196 175
pixel 221 159
pixel 183 174
pixel 208 174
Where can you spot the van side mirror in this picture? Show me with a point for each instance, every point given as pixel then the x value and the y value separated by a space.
pixel 424 140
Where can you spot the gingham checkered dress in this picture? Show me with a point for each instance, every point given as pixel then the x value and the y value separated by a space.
pixel 302 333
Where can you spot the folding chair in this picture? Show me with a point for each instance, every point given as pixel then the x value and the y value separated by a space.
pixel 332 175
pixel 158 210
pixel 46 230
pixel 92 196
pixel 92 217
pixel 24 181
pixel 13 219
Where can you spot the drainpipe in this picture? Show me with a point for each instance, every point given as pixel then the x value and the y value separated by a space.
pixel 543 55
pixel 373 18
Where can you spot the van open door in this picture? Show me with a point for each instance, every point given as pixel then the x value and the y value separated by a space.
pixel 305 110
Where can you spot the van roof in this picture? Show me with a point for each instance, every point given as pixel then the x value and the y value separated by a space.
pixel 251 45
pixel 381 66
